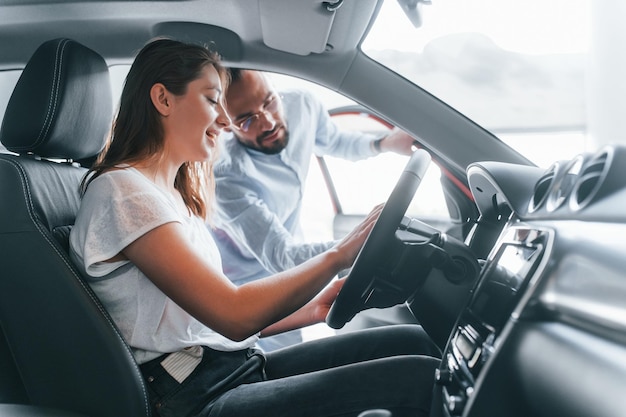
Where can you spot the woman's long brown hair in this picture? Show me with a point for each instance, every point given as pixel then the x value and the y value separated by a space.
pixel 137 134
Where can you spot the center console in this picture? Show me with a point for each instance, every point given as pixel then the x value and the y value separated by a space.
pixel 503 281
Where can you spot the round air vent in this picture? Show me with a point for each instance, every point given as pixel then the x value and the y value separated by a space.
pixel 564 183
pixel 543 186
pixel 590 180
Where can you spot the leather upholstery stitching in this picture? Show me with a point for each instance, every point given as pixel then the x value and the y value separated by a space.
pixel 54 94
pixel 88 291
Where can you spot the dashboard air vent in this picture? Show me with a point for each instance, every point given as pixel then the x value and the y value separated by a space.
pixel 590 180
pixel 542 187
pixel 564 183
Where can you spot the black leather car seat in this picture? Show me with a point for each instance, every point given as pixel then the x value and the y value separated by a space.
pixel 60 342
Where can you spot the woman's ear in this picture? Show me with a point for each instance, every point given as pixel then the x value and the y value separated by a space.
pixel 161 99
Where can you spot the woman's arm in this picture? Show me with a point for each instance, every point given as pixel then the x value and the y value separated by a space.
pixel 315 311
pixel 166 257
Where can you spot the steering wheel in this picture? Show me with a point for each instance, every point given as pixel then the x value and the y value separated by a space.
pixel 356 290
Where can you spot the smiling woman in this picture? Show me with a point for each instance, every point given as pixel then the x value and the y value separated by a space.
pixel 141 241
pixel 510 272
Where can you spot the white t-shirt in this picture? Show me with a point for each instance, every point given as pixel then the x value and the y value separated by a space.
pixel 117 208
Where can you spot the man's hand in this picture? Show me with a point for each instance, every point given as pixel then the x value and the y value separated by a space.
pixel 398 141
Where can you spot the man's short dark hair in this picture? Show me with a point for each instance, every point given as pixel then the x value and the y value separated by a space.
pixel 234 74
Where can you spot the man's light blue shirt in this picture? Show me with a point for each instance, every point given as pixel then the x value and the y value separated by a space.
pixel 259 196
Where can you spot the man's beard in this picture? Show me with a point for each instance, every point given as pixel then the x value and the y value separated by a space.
pixel 275 147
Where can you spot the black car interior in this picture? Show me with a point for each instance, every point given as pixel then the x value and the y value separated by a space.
pixel 536 329
pixel 59 349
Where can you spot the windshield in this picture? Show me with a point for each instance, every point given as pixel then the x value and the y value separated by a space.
pixel 519 69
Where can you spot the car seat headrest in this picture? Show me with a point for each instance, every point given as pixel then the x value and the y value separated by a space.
pixel 61 106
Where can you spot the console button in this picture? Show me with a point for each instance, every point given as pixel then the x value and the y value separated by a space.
pixel 443 377
pixel 454 403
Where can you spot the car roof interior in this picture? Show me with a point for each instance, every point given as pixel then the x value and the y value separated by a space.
pixel 266 35
pixel 221 20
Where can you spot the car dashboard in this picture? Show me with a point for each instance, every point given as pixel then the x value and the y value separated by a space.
pixel 543 332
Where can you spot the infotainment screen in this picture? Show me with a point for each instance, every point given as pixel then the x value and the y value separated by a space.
pixel 505 278
pixel 497 295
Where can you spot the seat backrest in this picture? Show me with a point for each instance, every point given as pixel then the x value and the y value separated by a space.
pixel 63 346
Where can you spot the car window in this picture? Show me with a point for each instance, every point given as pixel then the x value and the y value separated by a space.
pixel 360 185
pixel 363 184
pixel 117 74
pixel 8 79
pixel 519 69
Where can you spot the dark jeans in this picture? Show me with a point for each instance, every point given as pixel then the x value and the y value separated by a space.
pixel 388 367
